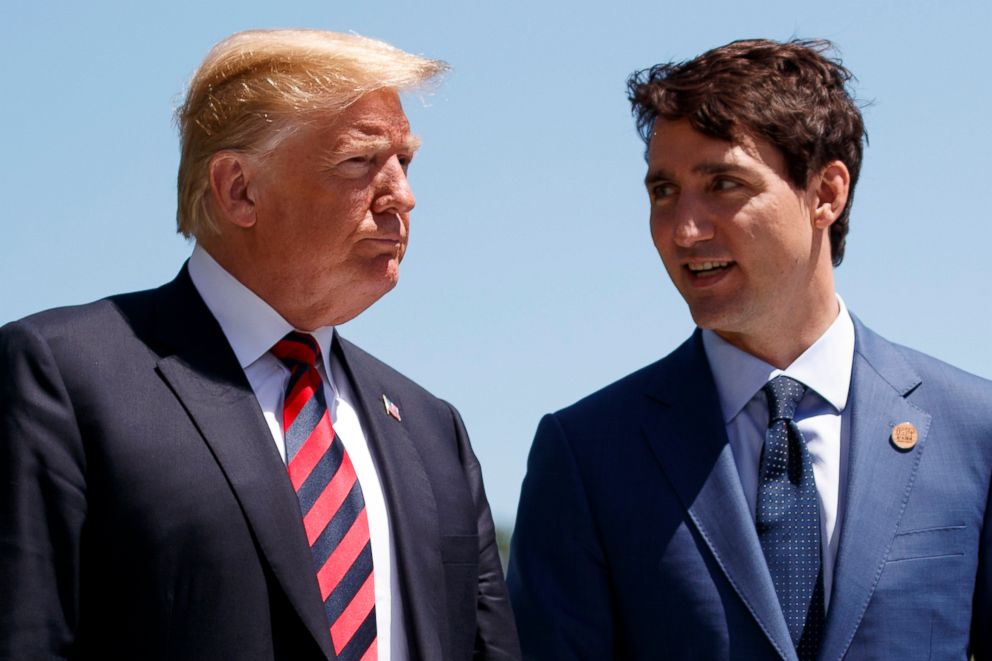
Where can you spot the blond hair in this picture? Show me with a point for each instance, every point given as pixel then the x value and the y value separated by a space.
pixel 257 85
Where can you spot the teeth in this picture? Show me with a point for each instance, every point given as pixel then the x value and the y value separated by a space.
pixel 707 266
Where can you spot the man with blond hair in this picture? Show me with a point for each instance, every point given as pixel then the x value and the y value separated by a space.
pixel 208 470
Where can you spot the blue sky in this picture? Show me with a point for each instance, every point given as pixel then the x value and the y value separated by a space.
pixel 530 279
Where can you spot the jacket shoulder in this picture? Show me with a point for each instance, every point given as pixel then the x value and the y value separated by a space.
pixel 656 380
pixel 944 387
pixel 953 396
pixel 930 376
pixel 79 328
pixel 361 361
pixel 940 370
pixel 100 311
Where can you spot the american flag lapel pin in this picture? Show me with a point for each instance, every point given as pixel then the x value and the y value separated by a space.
pixel 392 410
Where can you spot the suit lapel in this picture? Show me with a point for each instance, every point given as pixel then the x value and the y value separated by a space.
pixel 205 376
pixel 413 517
pixel 685 430
pixel 880 480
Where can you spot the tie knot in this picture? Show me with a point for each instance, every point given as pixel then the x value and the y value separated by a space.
pixel 297 349
pixel 783 396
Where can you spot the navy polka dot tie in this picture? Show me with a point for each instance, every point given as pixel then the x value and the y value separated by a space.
pixel 788 518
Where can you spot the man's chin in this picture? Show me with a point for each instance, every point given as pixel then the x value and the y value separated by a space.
pixel 712 317
pixel 390 277
pixel 383 281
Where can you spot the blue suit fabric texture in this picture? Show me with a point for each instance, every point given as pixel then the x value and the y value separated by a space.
pixel 145 512
pixel 634 540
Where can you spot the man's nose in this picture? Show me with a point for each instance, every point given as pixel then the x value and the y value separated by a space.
pixel 692 223
pixel 395 194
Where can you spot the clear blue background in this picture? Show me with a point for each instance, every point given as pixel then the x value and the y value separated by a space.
pixel 531 279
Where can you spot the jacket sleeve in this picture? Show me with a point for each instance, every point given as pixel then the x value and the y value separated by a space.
pixel 981 616
pixel 558 576
pixel 496 635
pixel 42 500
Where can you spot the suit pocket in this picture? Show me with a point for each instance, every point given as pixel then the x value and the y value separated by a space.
pixel 928 543
pixel 460 549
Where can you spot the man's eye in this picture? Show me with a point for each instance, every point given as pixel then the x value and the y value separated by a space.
pixel 661 191
pixel 723 184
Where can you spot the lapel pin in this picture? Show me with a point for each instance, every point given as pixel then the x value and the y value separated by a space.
pixel 904 436
pixel 392 410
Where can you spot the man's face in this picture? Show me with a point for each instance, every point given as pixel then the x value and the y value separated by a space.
pixel 332 206
pixel 737 238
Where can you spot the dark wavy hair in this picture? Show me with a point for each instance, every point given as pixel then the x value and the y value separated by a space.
pixel 792 94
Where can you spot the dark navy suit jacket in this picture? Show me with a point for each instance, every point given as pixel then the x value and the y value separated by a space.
pixel 145 512
pixel 634 539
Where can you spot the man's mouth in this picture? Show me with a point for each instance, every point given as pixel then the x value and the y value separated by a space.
pixel 707 268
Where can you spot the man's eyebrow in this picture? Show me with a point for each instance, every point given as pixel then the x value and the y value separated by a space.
pixel 410 144
pixel 656 175
pixel 717 168
pixel 661 174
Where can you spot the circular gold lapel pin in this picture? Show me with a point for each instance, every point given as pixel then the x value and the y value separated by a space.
pixel 904 436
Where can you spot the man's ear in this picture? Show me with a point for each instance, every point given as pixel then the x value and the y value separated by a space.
pixel 230 188
pixel 831 188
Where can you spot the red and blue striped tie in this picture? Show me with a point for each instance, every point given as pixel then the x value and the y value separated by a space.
pixel 331 502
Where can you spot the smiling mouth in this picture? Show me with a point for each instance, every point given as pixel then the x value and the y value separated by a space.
pixel 708 268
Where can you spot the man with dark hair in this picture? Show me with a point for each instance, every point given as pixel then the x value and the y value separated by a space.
pixel 786 484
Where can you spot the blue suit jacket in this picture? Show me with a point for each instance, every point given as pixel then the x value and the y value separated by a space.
pixel 634 539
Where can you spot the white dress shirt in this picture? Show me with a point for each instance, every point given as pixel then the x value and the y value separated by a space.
pixel 252 328
pixel 825 369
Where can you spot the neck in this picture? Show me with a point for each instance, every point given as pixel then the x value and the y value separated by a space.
pixel 786 343
pixel 288 295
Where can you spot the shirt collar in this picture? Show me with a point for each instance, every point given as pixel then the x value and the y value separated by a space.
pixel 251 325
pixel 825 367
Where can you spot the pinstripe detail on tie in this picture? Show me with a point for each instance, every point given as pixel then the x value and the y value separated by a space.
pixel 331 503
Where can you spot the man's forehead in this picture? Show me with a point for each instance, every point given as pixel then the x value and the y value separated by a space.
pixel 368 133
pixel 670 139
pixel 373 115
